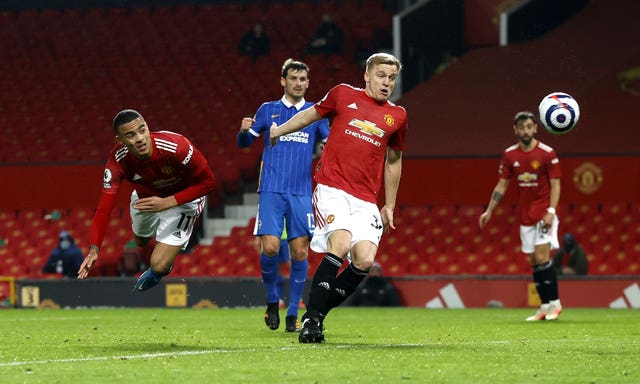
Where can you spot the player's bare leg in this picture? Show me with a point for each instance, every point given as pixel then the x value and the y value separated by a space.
pixel 162 259
pixel 546 284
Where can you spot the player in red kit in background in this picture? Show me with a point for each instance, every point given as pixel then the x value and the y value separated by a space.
pixel 536 168
pixel 171 179
pixel 363 151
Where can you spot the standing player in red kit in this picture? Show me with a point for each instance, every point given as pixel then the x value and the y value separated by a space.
pixel 171 179
pixel 363 150
pixel 536 168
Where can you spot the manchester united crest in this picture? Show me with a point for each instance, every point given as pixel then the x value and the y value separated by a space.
pixel 389 120
pixel 587 177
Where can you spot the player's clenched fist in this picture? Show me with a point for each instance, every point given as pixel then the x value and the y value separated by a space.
pixel 246 123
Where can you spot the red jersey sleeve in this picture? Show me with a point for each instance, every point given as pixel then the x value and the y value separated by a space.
pixel 203 181
pixel 504 169
pixel 327 106
pixel 554 166
pixel 111 183
pixel 101 218
pixel 397 140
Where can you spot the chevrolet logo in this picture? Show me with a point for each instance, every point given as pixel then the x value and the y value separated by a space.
pixel 367 127
pixel 527 177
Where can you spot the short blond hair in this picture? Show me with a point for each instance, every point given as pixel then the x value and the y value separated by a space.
pixel 383 58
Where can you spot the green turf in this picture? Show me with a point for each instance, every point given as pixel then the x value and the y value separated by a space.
pixel 408 345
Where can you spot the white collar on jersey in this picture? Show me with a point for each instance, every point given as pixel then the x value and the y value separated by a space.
pixel 288 104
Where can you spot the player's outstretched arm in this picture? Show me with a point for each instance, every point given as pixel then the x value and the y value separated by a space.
pixel 496 197
pixel 88 262
pixel 296 123
pixel 98 230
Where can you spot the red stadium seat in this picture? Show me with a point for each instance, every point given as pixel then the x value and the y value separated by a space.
pixel 470 261
pixel 442 262
pixel 511 268
pixel 395 267
pixel 445 213
pixel 585 210
pixel 184 260
pixel 193 270
pixel 614 210
pixel 602 268
pixel 415 214
pixel 470 212
pixel 81 75
pixel 9 224
pixel 421 268
pixel 632 249
pixel 221 270
pixel 15 270
pixel 483 268
pixel 384 256
pixel 631 268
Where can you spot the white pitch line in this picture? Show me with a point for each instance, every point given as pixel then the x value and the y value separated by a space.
pixel 46 319
pixel 178 353
pixel 128 357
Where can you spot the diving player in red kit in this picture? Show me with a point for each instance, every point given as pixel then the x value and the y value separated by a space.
pixel 171 179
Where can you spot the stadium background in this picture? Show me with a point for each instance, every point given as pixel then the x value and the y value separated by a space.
pixel 66 69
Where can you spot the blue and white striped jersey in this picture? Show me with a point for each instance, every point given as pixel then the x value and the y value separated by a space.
pixel 286 167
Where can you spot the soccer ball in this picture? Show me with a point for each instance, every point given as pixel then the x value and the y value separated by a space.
pixel 559 113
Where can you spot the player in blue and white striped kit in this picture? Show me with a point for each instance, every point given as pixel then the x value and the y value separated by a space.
pixel 285 188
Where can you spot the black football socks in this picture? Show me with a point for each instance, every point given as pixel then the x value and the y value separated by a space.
pixel 322 285
pixel 546 280
pixel 345 284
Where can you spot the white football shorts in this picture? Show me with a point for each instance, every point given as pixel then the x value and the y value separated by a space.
pixel 172 226
pixel 533 235
pixel 335 209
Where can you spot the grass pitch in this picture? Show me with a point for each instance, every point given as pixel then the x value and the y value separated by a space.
pixel 363 345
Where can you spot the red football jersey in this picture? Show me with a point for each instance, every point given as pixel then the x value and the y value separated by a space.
pixel 362 128
pixel 176 168
pixel 532 171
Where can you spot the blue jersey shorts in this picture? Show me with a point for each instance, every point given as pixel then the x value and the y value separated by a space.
pixel 276 209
